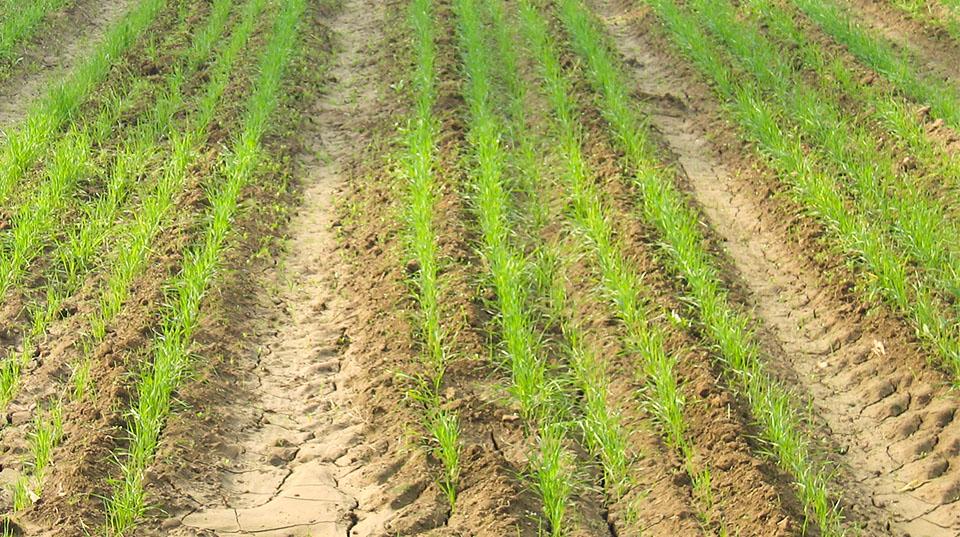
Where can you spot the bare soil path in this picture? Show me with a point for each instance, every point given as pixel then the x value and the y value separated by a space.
pixel 300 460
pixel 886 415
pixel 66 38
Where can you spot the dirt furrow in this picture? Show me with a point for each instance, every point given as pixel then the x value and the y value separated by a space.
pixel 65 40
pixel 886 416
pixel 297 469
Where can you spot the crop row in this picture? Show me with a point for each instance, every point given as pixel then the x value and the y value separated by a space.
pixel 941 14
pixel 158 380
pixel 46 116
pixel 664 207
pixel 418 168
pixel 20 21
pixel 75 254
pixel 620 281
pixel 903 218
pixel 598 420
pixel 531 386
pixel 876 52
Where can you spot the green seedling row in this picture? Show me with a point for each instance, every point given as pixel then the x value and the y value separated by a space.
pixel 918 224
pixel 619 280
pixel 185 140
pixel 880 55
pixel 37 222
pixel 889 112
pixel 530 387
pixel 602 432
pixel 417 167
pixel 946 17
pixel 665 208
pixel 27 142
pixel 817 188
pixel 171 348
pixel 75 254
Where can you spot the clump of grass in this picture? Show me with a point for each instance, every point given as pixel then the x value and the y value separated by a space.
pixel 45 434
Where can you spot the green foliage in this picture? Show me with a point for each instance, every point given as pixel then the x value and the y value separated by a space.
pixel 26 143
pixel 728 328
pixel 903 215
pixel 619 280
pixel 881 56
pixel 508 267
pixel 76 253
pixel 417 168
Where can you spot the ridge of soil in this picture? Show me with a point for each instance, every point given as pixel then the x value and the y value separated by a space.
pixel 65 39
pixel 885 416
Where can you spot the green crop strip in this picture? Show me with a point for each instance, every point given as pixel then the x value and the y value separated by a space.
pixel 160 378
pixel 531 387
pixel 879 55
pixel 919 223
pixel 817 188
pixel 664 207
pixel 133 255
pixel 887 110
pixel 75 255
pixel 417 167
pixel 619 279
pixel 919 226
pixel 26 143
pixel 185 140
pixel 35 222
pixel 21 22
pixel 602 433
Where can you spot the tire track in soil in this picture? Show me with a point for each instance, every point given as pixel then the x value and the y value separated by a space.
pixel 67 38
pixel 889 419
pixel 299 469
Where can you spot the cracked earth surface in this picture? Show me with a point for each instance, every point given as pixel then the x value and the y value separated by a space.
pixel 297 471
